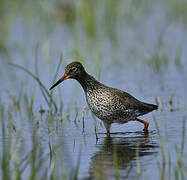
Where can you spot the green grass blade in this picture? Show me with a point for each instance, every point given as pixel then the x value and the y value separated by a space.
pixel 39 82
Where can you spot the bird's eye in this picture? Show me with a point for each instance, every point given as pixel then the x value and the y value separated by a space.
pixel 73 69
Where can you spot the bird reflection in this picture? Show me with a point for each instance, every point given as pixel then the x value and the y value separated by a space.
pixel 117 155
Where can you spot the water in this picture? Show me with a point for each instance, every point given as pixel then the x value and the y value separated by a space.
pixel 144 55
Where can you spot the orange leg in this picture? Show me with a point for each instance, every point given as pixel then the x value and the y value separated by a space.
pixel 108 133
pixel 146 124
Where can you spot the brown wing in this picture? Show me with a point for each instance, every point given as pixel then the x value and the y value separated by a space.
pixel 131 102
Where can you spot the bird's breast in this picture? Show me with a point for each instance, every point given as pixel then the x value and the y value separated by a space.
pixel 104 105
pixel 98 106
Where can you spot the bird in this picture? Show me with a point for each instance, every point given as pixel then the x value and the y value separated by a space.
pixel 109 104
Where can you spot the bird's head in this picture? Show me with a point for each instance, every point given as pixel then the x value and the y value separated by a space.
pixel 74 70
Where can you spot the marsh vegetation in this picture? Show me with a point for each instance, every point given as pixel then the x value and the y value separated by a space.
pixel 136 46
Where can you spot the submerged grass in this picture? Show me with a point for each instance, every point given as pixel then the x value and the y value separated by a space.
pixel 20 159
pixel 115 159
pixel 178 172
pixel 25 157
pixel 44 89
pixel 138 164
pixel 47 96
pixel 161 143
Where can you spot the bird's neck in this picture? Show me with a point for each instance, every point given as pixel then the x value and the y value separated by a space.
pixel 88 82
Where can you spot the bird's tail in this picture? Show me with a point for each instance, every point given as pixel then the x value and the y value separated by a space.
pixel 151 107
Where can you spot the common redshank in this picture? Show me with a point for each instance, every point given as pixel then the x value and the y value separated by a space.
pixel 108 104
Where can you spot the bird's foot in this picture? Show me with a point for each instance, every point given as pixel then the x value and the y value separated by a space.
pixel 145 130
pixel 108 133
pixel 146 124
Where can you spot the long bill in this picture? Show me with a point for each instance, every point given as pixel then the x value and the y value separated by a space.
pixel 59 81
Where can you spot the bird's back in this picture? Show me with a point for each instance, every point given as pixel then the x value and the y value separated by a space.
pixel 131 102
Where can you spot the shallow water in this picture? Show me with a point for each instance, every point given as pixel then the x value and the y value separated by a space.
pixel 125 65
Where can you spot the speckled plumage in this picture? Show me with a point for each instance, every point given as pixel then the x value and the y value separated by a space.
pixel 108 104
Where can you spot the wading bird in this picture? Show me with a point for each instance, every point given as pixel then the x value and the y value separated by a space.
pixel 108 104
